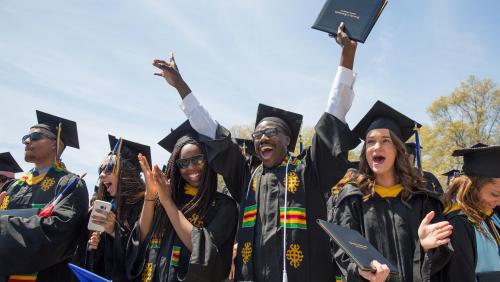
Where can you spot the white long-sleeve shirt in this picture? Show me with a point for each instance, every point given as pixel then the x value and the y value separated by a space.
pixel 338 104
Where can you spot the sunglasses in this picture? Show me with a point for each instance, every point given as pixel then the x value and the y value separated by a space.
pixel 198 160
pixel 269 132
pixel 35 136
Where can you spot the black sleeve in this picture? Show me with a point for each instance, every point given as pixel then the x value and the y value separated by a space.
pixel 211 255
pixel 329 150
pixel 347 213
pixel 226 159
pixel 29 245
pixel 462 264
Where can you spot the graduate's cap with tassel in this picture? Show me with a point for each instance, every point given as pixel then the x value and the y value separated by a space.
pixel 184 130
pixel 8 163
pixel 246 145
pixel 128 150
pixel 480 160
pixel 62 128
pixel 290 121
pixel 411 148
pixel 384 116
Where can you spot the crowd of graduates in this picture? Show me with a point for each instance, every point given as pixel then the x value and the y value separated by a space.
pixel 176 224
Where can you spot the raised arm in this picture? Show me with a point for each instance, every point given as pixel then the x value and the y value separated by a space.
pixel 198 116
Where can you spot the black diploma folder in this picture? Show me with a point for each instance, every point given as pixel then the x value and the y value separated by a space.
pixel 356 246
pixel 359 17
pixel 492 276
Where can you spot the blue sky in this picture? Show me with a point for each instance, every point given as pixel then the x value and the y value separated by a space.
pixel 90 61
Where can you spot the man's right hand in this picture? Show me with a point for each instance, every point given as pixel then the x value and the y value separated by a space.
pixel 170 72
pixel 381 272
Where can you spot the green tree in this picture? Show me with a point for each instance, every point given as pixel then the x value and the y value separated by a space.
pixel 469 115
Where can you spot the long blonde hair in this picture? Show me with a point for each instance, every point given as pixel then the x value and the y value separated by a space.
pixel 467 195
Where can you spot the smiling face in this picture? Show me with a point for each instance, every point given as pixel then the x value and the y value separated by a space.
pixel 109 180
pixel 489 195
pixel 271 149
pixel 380 151
pixel 193 174
pixel 41 150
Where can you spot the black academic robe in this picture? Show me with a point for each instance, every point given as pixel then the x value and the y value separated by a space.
pixel 461 265
pixel 211 255
pixel 390 225
pixel 433 183
pixel 321 166
pixel 42 245
pixel 109 259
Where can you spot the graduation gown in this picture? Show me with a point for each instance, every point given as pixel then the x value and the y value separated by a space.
pixel 461 265
pixel 169 260
pixel 433 183
pixel 319 167
pixel 390 225
pixel 42 245
pixel 109 258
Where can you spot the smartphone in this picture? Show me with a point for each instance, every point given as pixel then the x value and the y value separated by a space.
pixel 98 205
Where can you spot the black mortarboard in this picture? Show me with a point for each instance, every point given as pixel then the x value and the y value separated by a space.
pixel 410 148
pixel 480 160
pixel 8 163
pixel 292 120
pixel 69 132
pixel 246 146
pixel 129 150
pixel 184 130
pixel 383 116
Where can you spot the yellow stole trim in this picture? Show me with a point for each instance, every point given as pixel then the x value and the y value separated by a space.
pixel 190 190
pixel 34 180
pixel 488 213
pixel 388 192
pixel 452 208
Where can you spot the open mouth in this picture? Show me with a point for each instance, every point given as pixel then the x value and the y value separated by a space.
pixel 266 151
pixel 107 185
pixel 378 160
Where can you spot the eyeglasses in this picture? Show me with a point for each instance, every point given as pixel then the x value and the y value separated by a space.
pixel 35 136
pixel 269 132
pixel 198 160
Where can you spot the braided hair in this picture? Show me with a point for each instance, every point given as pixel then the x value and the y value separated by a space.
pixel 200 203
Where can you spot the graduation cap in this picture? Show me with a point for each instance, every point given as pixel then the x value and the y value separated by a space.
pixel 246 145
pixel 384 116
pixel 62 128
pixel 411 148
pixel 290 120
pixel 129 150
pixel 184 130
pixel 480 160
pixel 8 163
pixel 451 174
pixel 84 275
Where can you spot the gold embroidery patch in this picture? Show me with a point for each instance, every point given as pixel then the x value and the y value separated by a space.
pixel 148 271
pixel 246 252
pixel 196 220
pixel 294 255
pixel 47 183
pixel 293 182
pixel 5 203
pixel 254 184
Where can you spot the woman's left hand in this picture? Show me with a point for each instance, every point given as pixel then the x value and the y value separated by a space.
pixel 433 235
pixel 106 220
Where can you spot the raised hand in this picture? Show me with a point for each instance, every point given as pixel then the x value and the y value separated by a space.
pixel 344 40
pixel 151 187
pixel 433 235
pixel 106 220
pixel 169 70
pixel 381 272
pixel 165 189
